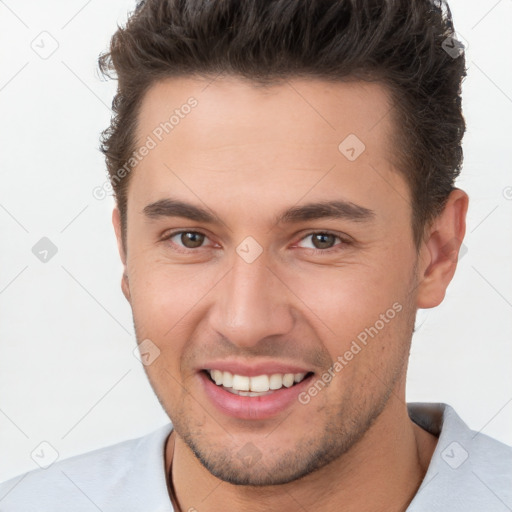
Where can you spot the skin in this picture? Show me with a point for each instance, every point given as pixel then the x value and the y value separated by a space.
pixel 246 154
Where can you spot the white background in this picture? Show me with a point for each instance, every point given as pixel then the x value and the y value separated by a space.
pixel 67 372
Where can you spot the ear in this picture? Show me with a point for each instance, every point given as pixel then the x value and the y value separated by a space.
pixel 116 221
pixel 440 250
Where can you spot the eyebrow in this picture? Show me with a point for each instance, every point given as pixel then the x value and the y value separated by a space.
pixel 326 210
pixel 175 208
pixel 310 211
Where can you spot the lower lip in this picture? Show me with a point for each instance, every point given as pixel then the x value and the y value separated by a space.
pixel 252 407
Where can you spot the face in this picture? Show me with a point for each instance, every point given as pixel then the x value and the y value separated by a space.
pixel 270 267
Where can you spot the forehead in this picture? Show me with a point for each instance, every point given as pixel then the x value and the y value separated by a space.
pixel 227 133
pixel 320 112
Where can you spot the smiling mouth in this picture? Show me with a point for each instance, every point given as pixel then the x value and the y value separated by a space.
pixel 259 385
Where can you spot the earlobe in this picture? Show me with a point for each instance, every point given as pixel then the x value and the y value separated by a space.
pixel 125 287
pixel 116 222
pixel 440 251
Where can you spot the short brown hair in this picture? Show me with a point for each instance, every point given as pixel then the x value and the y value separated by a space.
pixel 403 44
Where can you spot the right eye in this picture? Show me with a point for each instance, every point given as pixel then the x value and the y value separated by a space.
pixel 187 239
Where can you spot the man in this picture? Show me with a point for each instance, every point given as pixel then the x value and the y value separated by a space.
pixel 284 179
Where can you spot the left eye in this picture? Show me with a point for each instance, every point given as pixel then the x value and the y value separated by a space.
pixel 188 239
pixel 320 241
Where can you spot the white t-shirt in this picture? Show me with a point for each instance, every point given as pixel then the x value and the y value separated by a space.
pixel 468 472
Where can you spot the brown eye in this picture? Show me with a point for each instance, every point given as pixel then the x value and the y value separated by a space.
pixel 323 240
pixel 191 239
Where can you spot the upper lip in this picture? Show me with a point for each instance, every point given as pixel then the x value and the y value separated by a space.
pixel 255 368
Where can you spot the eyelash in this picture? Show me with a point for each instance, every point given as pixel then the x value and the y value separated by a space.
pixel 180 248
pixel 342 241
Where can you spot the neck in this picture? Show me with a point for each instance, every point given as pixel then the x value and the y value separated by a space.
pixel 382 471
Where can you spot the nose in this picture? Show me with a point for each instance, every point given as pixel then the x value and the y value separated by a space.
pixel 251 303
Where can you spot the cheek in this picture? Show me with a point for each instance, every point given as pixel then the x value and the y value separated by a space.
pixel 167 300
pixel 348 298
pixel 361 314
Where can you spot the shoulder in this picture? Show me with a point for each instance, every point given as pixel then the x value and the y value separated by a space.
pixel 108 478
pixel 468 470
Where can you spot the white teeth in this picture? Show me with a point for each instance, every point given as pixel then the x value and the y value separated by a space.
pixel 276 381
pixel 260 383
pixel 247 393
pixel 217 376
pixel 227 380
pixel 241 383
pixel 288 380
pixel 253 386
